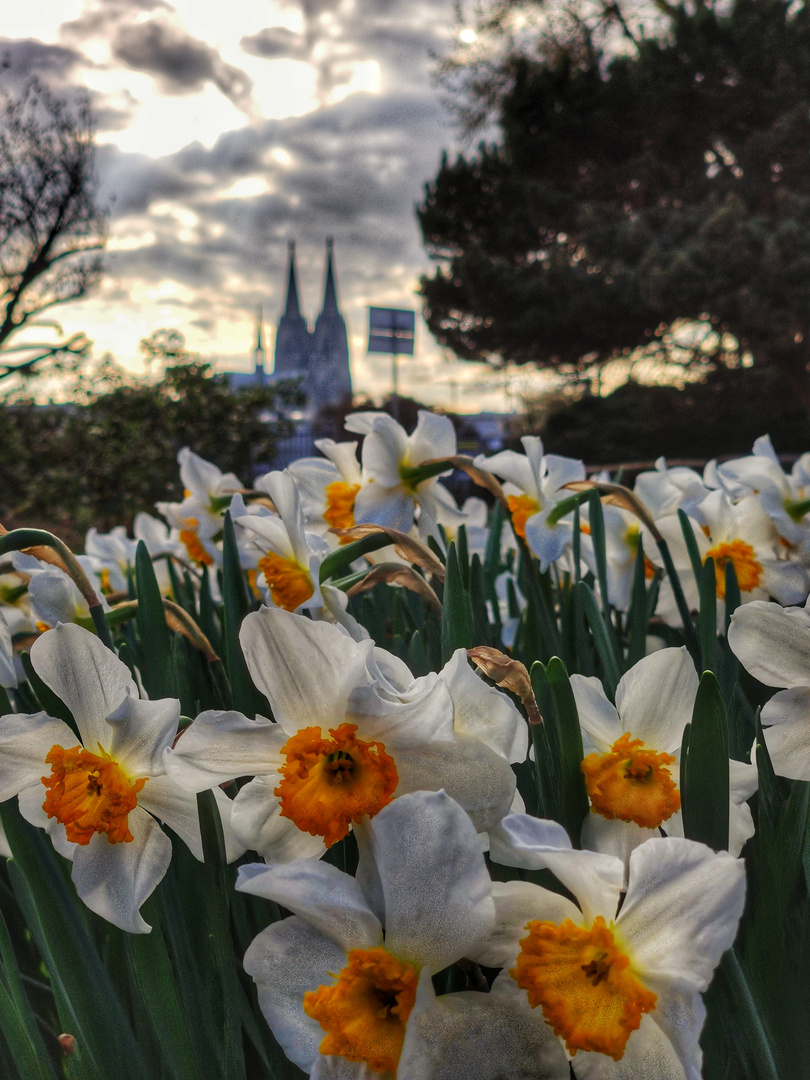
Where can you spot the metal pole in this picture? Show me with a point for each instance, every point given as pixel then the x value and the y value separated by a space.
pixel 395 398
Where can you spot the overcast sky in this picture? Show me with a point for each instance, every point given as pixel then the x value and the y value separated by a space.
pixel 227 128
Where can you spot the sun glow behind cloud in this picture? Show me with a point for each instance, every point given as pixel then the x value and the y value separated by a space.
pixel 227 130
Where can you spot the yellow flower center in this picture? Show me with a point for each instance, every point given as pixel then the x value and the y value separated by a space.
pixel 89 793
pixel 521 507
pixel 289 583
pixel 329 783
pixel 631 783
pixel 748 570
pixel 632 537
pixel 584 983
pixel 365 1012
pixel 193 545
pixel 339 512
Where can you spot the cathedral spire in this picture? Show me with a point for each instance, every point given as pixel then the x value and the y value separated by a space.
pixel 330 306
pixel 291 307
pixel 258 352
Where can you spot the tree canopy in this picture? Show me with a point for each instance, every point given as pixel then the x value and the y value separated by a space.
pixel 633 189
pixel 51 230
pixel 110 450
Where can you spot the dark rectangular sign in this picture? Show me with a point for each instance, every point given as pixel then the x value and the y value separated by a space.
pixel 391 330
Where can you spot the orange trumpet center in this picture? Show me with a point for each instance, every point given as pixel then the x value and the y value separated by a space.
pixel 521 507
pixel 632 783
pixel 339 512
pixel 365 1012
pixel 193 545
pixel 289 583
pixel 89 793
pixel 329 783
pixel 584 983
pixel 748 570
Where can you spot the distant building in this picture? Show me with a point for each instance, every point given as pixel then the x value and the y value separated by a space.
pixel 321 355
pixel 318 356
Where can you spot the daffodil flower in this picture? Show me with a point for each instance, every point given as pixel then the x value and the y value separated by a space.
pixel 53 594
pixel 632 756
pixel 100 797
pixel 773 644
pixel 111 555
pixel 338 980
pixel 739 533
pixel 288 558
pixel 665 490
pixel 783 497
pixel 197 520
pixel 619 983
pixel 390 496
pixel 328 486
pixel 533 487
pixel 354 730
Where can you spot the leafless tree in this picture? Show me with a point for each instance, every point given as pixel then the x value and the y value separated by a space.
pixel 51 230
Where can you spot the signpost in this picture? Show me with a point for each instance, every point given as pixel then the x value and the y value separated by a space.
pixel 391 330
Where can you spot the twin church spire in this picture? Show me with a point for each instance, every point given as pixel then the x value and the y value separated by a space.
pixel 320 356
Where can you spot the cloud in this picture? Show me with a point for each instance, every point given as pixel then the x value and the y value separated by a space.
pixel 181 63
pixel 275 42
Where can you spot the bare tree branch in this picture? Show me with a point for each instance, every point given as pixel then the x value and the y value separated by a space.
pixel 51 230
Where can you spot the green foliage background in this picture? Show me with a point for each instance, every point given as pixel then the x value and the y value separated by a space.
pixel 110 451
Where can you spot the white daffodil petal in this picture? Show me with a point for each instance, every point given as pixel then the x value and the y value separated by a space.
pixel 597 717
pixel 305 669
pixel 486 1036
pixel 114 879
pixel 594 879
pixel 682 908
pixel 614 837
pixel 285 960
pixel 438 906
pixel 220 746
pixel 86 675
pixel 648 1053
pixel 788 706
pixel 30 802
pixel 322 895
pixel 405 724
pixel 177 808
pixel 680 1013
pixel 257 822
pixel 139 733
pixel 331 1067
pixel 378 504
pixel 8 676
pixel 484 712
pixel 477 778
pixel 655 698
pixel 516 904
pixel 433 437
pixel 25 740
pixel 772 643
pixel 789 748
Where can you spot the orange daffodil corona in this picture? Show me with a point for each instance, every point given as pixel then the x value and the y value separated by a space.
pixel 101 794
pixel 353 731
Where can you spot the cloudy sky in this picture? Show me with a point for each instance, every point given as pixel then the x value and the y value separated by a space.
pixel 227 128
